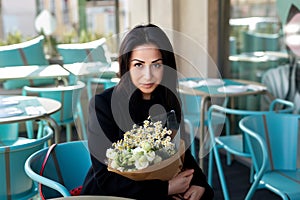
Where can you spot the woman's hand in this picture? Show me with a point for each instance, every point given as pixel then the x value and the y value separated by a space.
pixel 181 182
pixel 194 193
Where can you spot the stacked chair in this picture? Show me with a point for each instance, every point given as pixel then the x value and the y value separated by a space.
pixel 25 53
pixel 90 52
pixel 71 110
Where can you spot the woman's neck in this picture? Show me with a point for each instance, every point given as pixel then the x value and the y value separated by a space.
pixel 146 96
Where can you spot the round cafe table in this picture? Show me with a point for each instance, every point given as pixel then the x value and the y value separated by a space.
pixel 209 92
pixel 48 106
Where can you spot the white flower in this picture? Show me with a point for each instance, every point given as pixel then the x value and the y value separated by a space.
pixel 139 147
pixel 157 159
pixel 138 151
pixel 114 164
pixel 111 154
pixel 150 156
pixel 146 146
pixel 141 163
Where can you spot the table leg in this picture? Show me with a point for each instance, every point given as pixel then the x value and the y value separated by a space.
pixel 202 130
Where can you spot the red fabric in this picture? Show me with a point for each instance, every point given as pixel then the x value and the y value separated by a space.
pixel 76 191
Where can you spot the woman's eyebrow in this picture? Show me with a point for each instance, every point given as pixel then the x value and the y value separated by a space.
pixel 137 60
pixel 154 61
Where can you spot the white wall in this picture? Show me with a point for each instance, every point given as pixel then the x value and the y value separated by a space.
pixel 186 24
pixel 191 21
pixel 18 16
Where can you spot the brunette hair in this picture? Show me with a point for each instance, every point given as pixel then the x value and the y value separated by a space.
pixel 151 34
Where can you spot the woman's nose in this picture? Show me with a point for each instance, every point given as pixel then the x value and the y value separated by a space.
pixel 147 72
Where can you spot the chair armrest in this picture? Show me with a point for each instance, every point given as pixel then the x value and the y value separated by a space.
pixel 288 106
pixel 44 181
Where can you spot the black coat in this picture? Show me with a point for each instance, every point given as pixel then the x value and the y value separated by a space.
pixel 103 130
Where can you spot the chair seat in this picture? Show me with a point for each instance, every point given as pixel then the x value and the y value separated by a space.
pixel 194 118
pixel 233 144
pixel 283 180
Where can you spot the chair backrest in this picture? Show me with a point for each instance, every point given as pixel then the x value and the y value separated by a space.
pixel 25 53
pixel 253 41
pixel 273 140
pixel 69 96
pixel 95 51
pixel 215 131
pixel 15 184
pixel 73 160
pixel 9 133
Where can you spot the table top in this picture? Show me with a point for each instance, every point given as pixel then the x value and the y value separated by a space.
pixel 32 72
pixel 223 88
pixel 91 69
pixel 15 108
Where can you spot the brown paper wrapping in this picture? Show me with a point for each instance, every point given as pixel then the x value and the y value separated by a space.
pixel 164 170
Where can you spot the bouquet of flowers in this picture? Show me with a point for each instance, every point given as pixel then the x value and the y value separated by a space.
pixel 146 152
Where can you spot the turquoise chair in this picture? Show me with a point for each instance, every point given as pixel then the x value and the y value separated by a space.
pixel 15 184
pixel 253 41
pixel 71 110
pixel 273 141
pixel 191 111
pixel 84 52
pixel 234 144
pixel 73 163
pixel 95 51
pixel 25 53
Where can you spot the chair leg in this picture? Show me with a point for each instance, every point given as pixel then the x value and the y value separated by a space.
pixel 210 168
pixel 82 122
pixel 68 133
pixel 251 178
pixel 40 132
pixel 227 130
pixel 29 129
pixel 220 172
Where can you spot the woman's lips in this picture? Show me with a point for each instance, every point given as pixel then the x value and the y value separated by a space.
pixel 147 85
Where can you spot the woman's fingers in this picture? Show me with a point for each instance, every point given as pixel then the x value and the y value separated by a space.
pixel 194 193
pixel 181 182
pixel 186 173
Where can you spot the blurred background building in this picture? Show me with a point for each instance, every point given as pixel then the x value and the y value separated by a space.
pixel 215 27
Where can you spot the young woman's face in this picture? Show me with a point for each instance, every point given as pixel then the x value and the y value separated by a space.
pixel 146 68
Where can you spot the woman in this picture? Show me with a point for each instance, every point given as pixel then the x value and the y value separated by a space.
pixel 147 87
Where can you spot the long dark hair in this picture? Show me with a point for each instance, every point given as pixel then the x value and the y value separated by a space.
pixel 151 34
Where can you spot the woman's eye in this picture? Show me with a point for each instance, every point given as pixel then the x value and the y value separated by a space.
pixel 138 65
pixel 156 65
